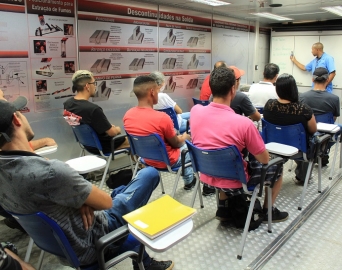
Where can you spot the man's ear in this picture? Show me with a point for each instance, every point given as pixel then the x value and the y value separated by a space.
pixel 16 120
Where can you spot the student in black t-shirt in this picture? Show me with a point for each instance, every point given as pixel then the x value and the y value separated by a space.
pixel 89 113
pixel 288 110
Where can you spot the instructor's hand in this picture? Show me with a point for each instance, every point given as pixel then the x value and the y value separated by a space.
pixel 87 214
pixel 292 58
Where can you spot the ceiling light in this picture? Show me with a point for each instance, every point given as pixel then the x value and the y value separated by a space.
pixel 271 16
pixel 336 10
pixel 214 3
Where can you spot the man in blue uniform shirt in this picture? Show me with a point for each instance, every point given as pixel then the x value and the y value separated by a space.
pixel 321 59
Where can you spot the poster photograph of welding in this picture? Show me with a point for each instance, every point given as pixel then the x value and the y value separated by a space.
pixel 45 71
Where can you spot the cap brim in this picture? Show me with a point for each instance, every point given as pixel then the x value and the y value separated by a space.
pixel 19 103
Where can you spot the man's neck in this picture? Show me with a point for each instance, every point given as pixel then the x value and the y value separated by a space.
pixel 224 101
pixel 82 96
pixel 17 144
pixel 319 54
pixel 268 80
pixel 145 104
pixel 319 87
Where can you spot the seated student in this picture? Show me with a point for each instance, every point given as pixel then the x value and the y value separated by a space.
pixel 89 113
pixel 164 101
pixel 288 110
pixel 241 103
pixel 320 100
pixel 260 93
pixel 143 120
pixel 205 89
pixel 84 212
pixel 224 128
pixel 11 261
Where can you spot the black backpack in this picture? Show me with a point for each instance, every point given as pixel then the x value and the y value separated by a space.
pixel 121 178
pixel 238 208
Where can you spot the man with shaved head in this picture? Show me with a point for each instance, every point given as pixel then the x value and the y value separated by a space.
pixel 321 59
pixel 143 120
pixel 205 89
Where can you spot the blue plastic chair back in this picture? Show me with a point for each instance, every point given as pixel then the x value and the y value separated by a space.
pixel 293 135
pixel 327 118
pixel 48 236
pixel 149 147
pixel 223 163
pixel 171 112
pixel 201 102
pixel 87 136
pixel 260 109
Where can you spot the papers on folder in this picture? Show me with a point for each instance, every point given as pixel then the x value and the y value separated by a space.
pixel 159 216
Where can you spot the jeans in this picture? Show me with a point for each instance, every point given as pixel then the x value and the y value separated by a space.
pixel 185 117
pixel 188 172
pixel 128 198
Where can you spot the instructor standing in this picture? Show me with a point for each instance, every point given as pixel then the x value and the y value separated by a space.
pixel 321 60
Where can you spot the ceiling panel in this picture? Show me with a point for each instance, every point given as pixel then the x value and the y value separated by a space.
pixel 298 10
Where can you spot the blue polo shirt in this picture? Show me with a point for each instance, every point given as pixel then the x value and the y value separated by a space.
pixel 326 61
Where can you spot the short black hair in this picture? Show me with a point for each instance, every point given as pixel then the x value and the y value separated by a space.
pixel 270 71
pixel 286 87
pixel 221 81
pixel 141 84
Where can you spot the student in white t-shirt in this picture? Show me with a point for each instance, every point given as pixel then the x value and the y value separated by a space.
pixel 164 101
pixel 260 93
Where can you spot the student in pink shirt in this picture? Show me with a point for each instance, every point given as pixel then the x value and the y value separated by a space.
pixel 225 128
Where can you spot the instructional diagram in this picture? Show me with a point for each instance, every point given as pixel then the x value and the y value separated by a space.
pixel 184 60
pixel 137 37
pixel 13 75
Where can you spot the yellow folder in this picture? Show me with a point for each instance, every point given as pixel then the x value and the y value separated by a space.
pixel 159 216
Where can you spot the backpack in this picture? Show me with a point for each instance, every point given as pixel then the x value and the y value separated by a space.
pixel 238 208
pixel 122 177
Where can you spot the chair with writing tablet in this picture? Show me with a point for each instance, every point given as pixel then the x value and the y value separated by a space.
pixel 328 118
pixel 152 147
pixel 227 163
pixel 88 139
pixel 295 136
pixel 49 237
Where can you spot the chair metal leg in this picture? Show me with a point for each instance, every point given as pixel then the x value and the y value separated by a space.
pixel 40 261
pixel 291 163
pixel 340 155
pixel 176 182
pixel 29 250
pixel 334 160
pixel 136 169
pixel 161 183
pixel 131 162
pixel 269 205
pixel 217 194
pixel 319 174
pixel 248 220
pixel 197 188
pixel 305 185
pixel 105 171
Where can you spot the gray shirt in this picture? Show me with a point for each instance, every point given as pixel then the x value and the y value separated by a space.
pixel 321 102
pixel 30 183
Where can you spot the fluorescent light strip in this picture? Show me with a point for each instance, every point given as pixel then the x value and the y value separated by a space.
pixel 214 3
pixel 336 10
pixel 272 16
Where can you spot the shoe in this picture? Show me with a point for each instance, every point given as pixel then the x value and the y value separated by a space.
pixel 277 216
pixel 207 191
pixel 222 214
pixel 300 182
pixel 160 265
pixel 190 185
pixel 13 224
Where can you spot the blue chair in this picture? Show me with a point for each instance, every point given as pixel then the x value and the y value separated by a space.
pixel 152 147
pixel 295 135
pixel 227 163
pixel 49 237
pixel 201 102
pixel 328 118
pixel 260 109
pixel 171 112
pixel 87 137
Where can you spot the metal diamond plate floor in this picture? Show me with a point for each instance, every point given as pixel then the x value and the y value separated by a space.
pixel 212 246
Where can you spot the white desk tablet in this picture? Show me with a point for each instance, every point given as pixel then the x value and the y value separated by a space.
pixel 166 240
pixel 46 150
pixel 281 149
pixel 86 164
pixel 329 128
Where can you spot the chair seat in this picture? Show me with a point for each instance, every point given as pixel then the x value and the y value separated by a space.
pixel 86 164
pixel 166 240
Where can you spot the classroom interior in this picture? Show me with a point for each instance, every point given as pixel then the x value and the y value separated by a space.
pixel 310 238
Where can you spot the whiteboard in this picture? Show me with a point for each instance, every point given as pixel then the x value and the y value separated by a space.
pixel 232 47
pixel 302 52
pixel 332 46
pixel 281 48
